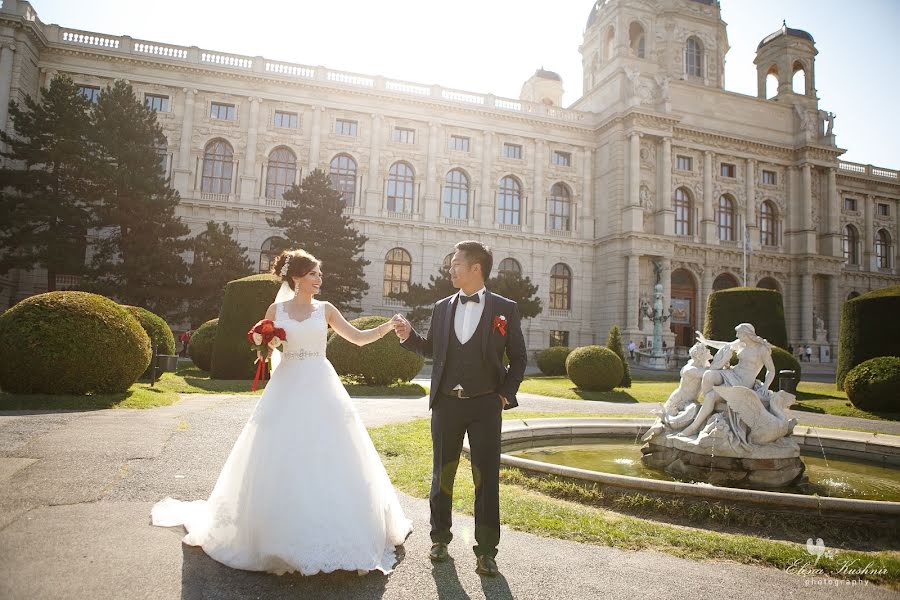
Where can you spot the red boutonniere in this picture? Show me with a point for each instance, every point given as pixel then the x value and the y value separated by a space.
pixel 500 324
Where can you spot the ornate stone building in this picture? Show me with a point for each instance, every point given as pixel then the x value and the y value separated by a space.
pixel 655 167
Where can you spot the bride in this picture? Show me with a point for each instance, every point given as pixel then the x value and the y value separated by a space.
pixel 303 488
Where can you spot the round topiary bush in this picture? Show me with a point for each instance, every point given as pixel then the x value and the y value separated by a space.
pixel 552 360
pixel 874 385
pixel 200 348
pixel 594 368
pixel 160 334
pixel 783 360
pixel 70 343
pixel 245 302
pixel 869 328
pixel 380 363
pixel 762 308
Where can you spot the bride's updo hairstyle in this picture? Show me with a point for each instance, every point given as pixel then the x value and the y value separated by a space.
pixel 299 263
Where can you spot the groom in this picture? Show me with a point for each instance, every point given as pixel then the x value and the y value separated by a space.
pixel 469 333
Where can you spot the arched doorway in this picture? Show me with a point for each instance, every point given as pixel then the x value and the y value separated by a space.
pixel 683 322
pixel 724 281
pixel 768 283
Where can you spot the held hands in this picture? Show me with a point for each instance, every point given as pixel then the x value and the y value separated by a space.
pixel 402 327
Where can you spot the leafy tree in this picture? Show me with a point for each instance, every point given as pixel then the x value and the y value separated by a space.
pixel 313 219
pixel 45 203
pixel 519 289
pixel 614 343
pixel 137 257
pixel 218 259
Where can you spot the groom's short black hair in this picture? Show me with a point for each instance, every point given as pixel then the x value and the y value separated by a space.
pixel 476 252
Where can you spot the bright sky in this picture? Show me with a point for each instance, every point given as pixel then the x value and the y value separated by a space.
pixel 493 46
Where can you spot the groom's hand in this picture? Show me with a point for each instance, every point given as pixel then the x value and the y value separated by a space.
pixel 503 402
pixel 402 327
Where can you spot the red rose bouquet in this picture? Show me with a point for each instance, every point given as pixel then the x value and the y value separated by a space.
pixel 264 337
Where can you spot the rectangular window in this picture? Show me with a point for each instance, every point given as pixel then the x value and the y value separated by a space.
pixel 91 92
pixel 225 112
pixel 849 203
pixel 728 170
pixel 459 143
pixel 404 135
pixel 288 120
pixel 769 178
pixel 559 338
pixel 884 210
pixel 562 159
pixel 684 163
pixel 156 102
pixel 512 151
pixel 345 127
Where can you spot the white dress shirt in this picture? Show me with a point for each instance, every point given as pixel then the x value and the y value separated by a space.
pixel 467 316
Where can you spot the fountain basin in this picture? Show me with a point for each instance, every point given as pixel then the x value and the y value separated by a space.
pixel 875 448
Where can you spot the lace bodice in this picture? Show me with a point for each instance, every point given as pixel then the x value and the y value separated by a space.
pixel 306 337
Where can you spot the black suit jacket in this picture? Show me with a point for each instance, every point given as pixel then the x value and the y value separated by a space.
pixel 493 343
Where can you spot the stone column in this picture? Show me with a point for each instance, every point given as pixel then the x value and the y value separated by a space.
pixel 182 175
pixel 869 235
pixel 706 281
pixel 751 230
pixel 665 216
pixel 806 308
pixel 806 196
pixel 372 197
pixel 834 234
pixel 633 291
pixel 538 207
pixel 834 312
pixel 708 223
pixel 431 200
pixel 485 211
pixel 633 217
pixel 896 240
pixel 249 178
pixel 586 206
pixel 315 133
pixel 7 51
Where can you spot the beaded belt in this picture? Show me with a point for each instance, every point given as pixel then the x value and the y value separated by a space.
pixel 302 355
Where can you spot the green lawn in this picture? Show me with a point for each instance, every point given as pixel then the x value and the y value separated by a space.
pixel 139 395
pixel 562 509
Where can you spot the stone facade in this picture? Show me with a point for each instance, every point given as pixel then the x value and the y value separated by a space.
pixel 655 163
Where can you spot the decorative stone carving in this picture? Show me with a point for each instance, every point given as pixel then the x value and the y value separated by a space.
pixel 646 198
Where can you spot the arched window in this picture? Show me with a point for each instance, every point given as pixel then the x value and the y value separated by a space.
pixel 852 295
pixel 559 211
pixel 268 252
pixel 400 183
pixel 882 249
pixel 342 171
pixel 560 287
pixel 851 245
pixel 218 167
pixel 509 201
pixel 772 82
pixel 768 283
pixel 798 83
pixel 724 281
pixel 397 271
pixel 610 45
pixel 725 219
pixel 636 40
pixel 683 213
pixel 693 58
pixel 281 172
pixel 509 266
pixel 767 222
pixel 456 195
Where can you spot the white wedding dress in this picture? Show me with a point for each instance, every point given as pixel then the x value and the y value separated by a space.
pixel 303 488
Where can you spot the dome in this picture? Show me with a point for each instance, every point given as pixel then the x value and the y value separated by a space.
pixel 544 74
pixel 785 30
pixel 595 10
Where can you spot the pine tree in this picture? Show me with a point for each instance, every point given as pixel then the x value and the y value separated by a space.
pixel 45 208
pixel 137 258
pixel 313 219
pixel 520 290
pixel 218 259
pixel 614 343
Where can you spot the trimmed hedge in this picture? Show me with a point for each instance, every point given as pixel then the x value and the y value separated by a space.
pixel 552 360
pixel 764 309
pixel 200 348
pixel 874 385
pixel 869 328
pixel 157 329
pixel 382 362
pixel 594 368
pixel 245 302
pixel 70 343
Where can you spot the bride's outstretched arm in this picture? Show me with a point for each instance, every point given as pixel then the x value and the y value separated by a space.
pixel 713 343
pixel 350 333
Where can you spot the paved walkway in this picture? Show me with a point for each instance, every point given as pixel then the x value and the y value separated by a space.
pixel 76 490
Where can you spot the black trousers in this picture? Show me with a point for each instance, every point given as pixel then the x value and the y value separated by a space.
pixel 451 419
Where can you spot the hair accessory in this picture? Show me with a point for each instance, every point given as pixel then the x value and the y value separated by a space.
pixel 284 269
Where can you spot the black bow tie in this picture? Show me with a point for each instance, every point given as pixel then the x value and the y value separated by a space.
pixel 473 298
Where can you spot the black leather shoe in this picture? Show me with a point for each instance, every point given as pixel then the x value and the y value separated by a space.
pixel 486 565
pixel 439 552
